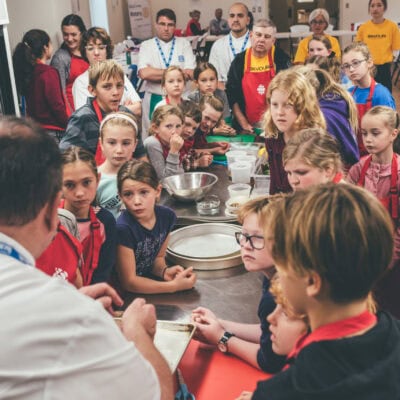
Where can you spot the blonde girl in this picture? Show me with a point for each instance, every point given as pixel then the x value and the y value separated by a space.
pixel 382 36
pixel 143 230
pixel 173 83
pixel 339 110
pixel 293 105
pixel 357 64
pixel 379 173
pixel 205 76
pixel 165 145
pixel 118 139
pixel 95 224
pixel 312 157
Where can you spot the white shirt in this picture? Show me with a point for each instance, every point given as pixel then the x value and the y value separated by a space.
pixel 59 344
pixel 80 90
pixel 221 54
pixel 150 56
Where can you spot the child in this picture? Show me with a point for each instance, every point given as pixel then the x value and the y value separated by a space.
pixel 106 84
pixel 252 343
pixel 211 111
pixel 358 66
pixel 205 76
pixel 382 37
pixel 97 46
pixel 338 245
pixel 173 83
pixel 165 145
pixel 379 173
pixel 96 225
pixel 293 105
pixel 143 233
pixel 339 110
pixel 320 45
pixel 118 138
pixel 192 118
pixel 312 157
pixel 40 83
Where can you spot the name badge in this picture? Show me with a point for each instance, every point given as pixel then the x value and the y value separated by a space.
pixel 181 58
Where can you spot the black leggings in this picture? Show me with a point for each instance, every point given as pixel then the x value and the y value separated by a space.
pixel 384 75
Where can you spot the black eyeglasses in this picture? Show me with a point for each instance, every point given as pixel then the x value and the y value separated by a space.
pixel 316 22
pixel 256 242
pixel 354 64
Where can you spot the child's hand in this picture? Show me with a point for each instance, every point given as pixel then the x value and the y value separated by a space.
pixel 224 129
pixel 171 272
pixel 208 330
pixel 204 160
pixel 202 312
pixel 185 279
pixel 175 143
pixel 220 147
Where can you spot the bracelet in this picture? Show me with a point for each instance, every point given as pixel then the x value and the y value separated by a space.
pixel 163 273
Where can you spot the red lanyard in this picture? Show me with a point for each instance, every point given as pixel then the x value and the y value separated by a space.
pixel 99 156
pixel 335 330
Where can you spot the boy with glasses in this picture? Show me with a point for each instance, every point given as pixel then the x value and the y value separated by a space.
pixel 319 22
pixel 250 342
pixel 156 55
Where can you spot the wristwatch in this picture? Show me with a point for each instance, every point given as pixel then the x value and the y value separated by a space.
pixel 223 342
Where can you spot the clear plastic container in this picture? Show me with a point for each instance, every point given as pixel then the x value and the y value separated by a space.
pixel 209 205
pixel 241 172
pixel 239 190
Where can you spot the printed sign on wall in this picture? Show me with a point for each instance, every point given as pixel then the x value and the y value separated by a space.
pixel 140 19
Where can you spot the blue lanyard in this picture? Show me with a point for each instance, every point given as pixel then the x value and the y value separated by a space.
pixel 171 52
pixel 246 39
pixel 10 251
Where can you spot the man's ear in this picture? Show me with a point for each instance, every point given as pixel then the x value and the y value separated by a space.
pixel 313 284
pixel 51 215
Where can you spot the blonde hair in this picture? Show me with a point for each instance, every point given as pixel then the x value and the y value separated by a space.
pixel 328 64
pixel 315 147
pixel 364 50
pixel 303 98
pixel 389 116
pixel 162 112
pixel 121 119
pixel 341 232
pixel 326 87
pixel 105 70
pixel 170 69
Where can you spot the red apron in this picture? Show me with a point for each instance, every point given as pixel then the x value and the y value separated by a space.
pixel 335 330
pixel 338 177
pixel 99 156
pixel 391 202
pixel 362 109
pixel 77 67
pixel 254 86
pixel 91 247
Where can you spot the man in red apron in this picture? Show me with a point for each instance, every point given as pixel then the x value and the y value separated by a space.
pixel 250 74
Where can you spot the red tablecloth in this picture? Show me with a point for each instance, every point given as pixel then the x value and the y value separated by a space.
pixel 209 374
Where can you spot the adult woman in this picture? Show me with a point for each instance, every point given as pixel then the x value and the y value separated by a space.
pixel 68 59
pixel 382 37
pixel 96 46
pixel 319 22
pixel 39 82
pixel 193 27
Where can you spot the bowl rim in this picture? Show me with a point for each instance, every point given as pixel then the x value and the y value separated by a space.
pixel 193 173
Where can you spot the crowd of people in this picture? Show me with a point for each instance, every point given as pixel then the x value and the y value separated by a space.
pixel 83 177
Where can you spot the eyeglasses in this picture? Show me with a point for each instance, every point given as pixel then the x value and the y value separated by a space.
pixel 354 64
pixel 256 242
pixel 316 22
pixel 168 25
pixel 99 47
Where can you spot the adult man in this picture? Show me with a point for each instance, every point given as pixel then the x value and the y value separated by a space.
pixel 224 50
pixel 156 55
pixel 218 25
pixel 58 342
pixel 250 74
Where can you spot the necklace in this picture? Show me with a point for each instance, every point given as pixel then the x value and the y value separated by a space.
pixel 246 39
pixel 171 52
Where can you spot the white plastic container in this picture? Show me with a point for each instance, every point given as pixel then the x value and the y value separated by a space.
pixel 233 156
pixel 239 190
pixel 241 171
pixel 261 185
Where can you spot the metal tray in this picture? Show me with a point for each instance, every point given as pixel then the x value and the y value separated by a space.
pixel 205 241
pixel 171 339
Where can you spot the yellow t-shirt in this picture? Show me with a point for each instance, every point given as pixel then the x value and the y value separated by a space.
pixel 302 50
pixel 381 39
pixel 259 64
